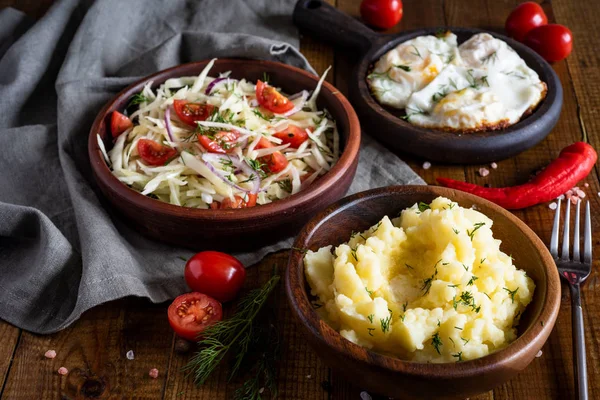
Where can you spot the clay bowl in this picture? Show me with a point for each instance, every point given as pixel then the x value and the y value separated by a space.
pixel 230 229
pixel 409 380
pixel 318 18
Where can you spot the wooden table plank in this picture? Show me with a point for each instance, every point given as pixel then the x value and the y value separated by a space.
pixel 10 338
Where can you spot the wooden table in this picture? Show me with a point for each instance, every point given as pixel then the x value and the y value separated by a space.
pixel 94 348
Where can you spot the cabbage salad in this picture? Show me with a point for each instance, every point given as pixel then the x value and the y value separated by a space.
pixel 220 142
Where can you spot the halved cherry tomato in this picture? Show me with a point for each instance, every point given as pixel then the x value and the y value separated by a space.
pixel 119 123
pixel 190 314
pixel 237 202
pixel 554 42
pixel 524 18
pixel 293 135
pixel 268 97
pixel 223 142
pixel 217 274
pixel 274 162
pixel 381 13
pixel 154 153
pixel 189 112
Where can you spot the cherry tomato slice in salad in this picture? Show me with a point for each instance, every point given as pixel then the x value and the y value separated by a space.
pixel 190 314
pixel 154 153
pixel 381 13
pixel 274 162
pixel 554 42
pixel 216 274
pixel 189 112
pixel 237 202
pixel 119 123
pixel 223 142
pixel 523 19
pixel 293 135
pixel 268 97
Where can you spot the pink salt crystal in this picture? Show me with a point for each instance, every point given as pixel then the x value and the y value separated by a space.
pixel 63 371
pixel 50 354
pixel 426 165
pixel 569 192
pixel 494 165
pixel 586 184
pixel 580 193
pixel 539 354
pixel 553 206
pixel 574 200
pixel 484 171
pixel 569 195
pixel 153 373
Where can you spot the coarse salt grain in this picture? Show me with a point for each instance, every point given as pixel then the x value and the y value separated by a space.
pixel 561 197
pixel 153 373
pixel 63 371
pixel 553 206
pixel 426 165
pixel 365 396
pixel 494 165
pixel 484 171
pixel 539 354
pixel 50 354
pixel 308 376
pixel 130 355
pixel 580 193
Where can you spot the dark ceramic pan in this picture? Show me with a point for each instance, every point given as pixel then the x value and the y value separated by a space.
pixel 328 24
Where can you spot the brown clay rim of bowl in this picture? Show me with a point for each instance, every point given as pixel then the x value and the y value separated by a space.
pixel 539 327
pixel 349 154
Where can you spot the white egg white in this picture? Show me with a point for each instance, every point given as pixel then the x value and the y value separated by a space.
pixel 483 84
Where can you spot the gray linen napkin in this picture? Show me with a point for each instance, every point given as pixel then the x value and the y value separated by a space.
pixel 61 251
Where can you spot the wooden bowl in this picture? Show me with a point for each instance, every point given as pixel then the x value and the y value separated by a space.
pixel 327 23
pixel 410 380
pixel 240 228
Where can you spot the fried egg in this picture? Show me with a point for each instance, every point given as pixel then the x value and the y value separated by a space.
pixel 409 67
pixel 483 84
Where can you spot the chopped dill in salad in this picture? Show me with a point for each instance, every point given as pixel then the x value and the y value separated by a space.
pixel 219 142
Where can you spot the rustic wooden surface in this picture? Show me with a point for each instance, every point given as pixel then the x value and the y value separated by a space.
pixel 94 348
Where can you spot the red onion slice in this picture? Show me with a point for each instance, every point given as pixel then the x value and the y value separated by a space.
pixel 168 124
pixel 303 97
pixel 212 84
pixel 242 165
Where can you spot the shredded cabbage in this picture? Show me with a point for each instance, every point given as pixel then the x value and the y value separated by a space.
pixel 190 180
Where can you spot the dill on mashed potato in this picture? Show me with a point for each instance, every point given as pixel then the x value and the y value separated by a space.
pixel 429 286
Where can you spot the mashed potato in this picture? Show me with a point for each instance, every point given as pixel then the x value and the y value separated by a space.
pixel 429 286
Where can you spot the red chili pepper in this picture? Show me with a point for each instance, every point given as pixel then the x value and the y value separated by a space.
pixel 572 165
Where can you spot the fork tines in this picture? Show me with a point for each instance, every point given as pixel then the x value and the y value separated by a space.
pixel 587 235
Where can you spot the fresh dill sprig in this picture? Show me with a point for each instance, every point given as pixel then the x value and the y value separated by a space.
pixel 403 67
pixel 353 252
pixel 456 231
pixel 376 228
pixel 475 228
pixel 233 333
pixel 260 115
pixel 465 340
pixel 385 323
pixel 408 266
pixel 423 206
pixel 436 342
pixel 137 99
pixel 512 293
pixel 370 330
pixel 370 292
pixel 410 112
pixel 458 356
pixel 490 58
pixel 370 317
pixel 416 52
pixel 472 280
pixel 266 77
pixel 286 185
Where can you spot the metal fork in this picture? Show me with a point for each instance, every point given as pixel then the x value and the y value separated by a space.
pixel 575 271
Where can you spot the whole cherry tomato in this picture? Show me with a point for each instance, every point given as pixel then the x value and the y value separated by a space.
pixel 219 275
pixel 190 314
pixel 381 13
pixel 554 42
pixel 524 18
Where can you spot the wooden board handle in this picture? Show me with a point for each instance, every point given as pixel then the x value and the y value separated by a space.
pixel 328 24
